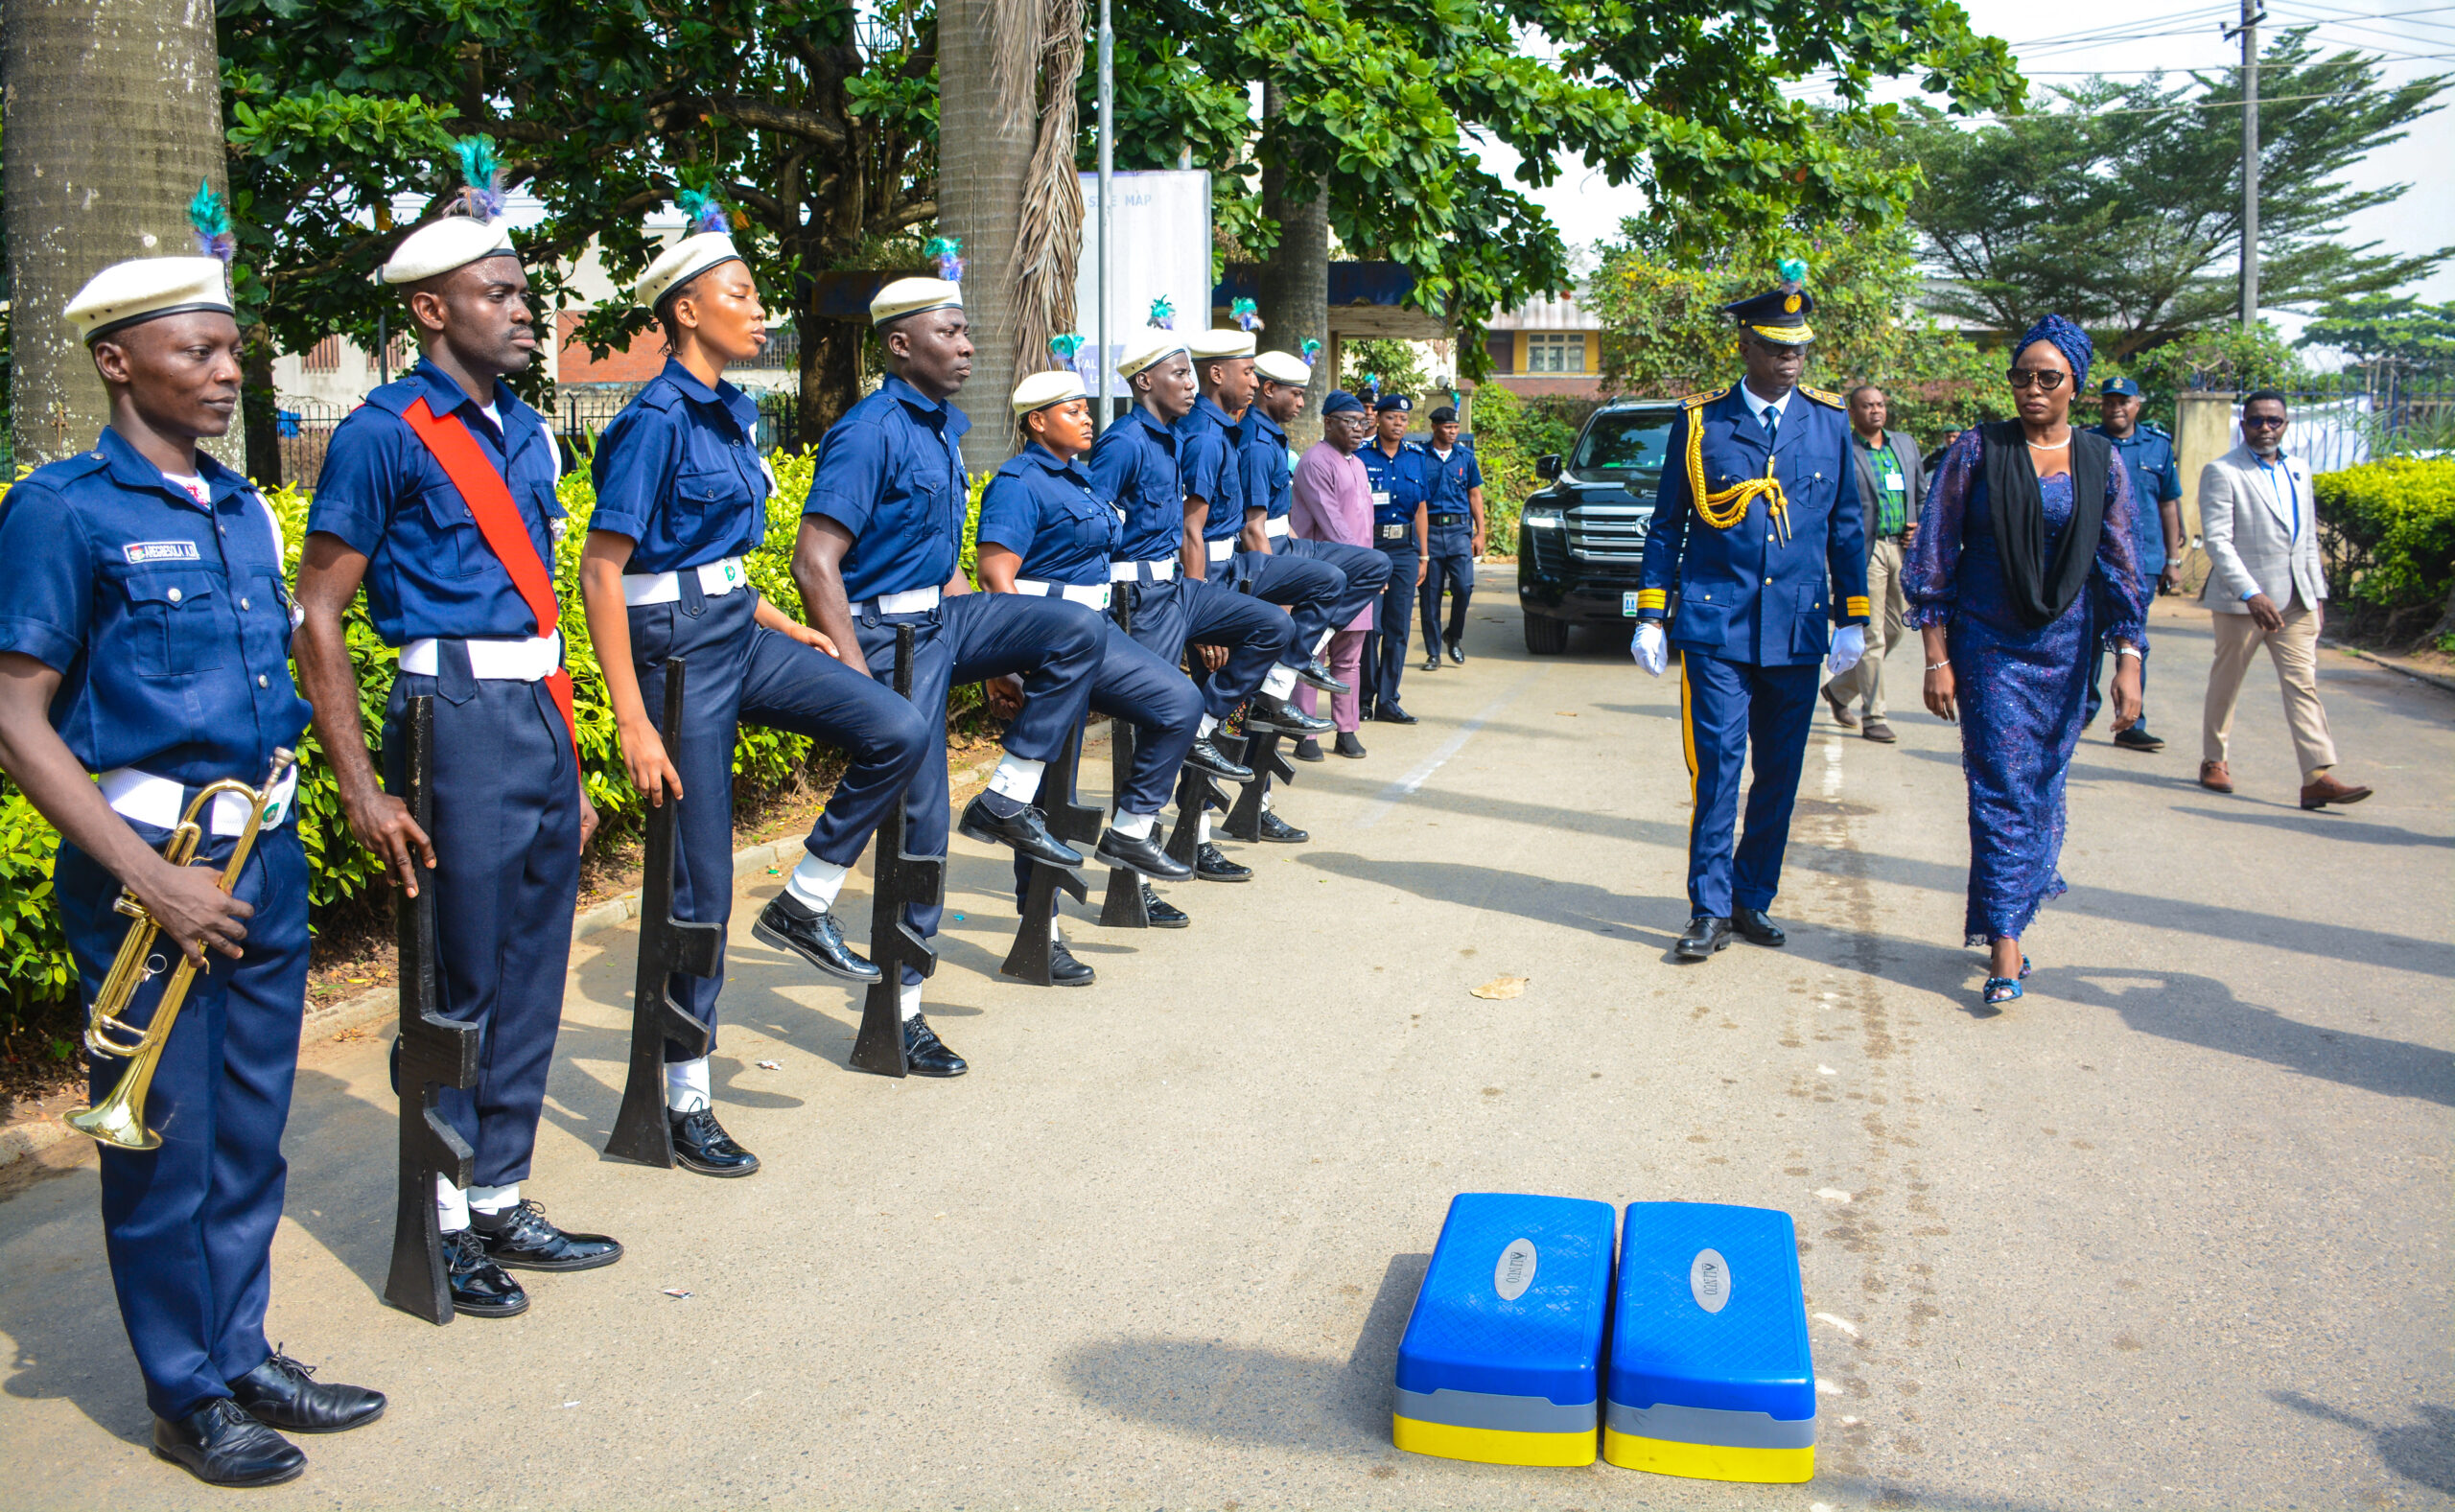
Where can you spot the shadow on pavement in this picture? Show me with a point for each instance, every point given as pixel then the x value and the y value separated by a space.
pixel 2327 822
pixel 1547 900
pixel 2424 1451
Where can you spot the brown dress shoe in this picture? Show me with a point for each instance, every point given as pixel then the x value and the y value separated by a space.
pixel 2327 790
pixel 2213 776
pixel 1880 731
pixel 1841 715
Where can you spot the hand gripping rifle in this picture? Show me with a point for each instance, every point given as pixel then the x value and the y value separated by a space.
pixel 432 1052
pixel 903 879
pixel 668 944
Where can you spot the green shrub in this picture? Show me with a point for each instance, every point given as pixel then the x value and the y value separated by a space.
pixel 1509 435
pixel 2389 528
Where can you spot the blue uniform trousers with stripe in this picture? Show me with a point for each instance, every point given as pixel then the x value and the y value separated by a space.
pixel 189 1226
pixel 1731 711
pixel 736 671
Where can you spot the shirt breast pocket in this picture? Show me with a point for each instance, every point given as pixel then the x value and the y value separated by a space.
pixel 712 494
pixel 459 550
pixel 175 625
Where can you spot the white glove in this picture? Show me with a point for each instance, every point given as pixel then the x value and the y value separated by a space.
pixel 1651 647
pixel 1849 644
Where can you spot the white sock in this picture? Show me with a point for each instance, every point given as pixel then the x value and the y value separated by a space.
pixel 451 1207
pixel 911 1002
pixel 1202 830
pixel 1323 645
pixel 1054 936
pixel 1016 777
pixel 686 1084
pixel 1266 801
pixel 1134 827
pixel 1280 683
pixel 1202 732
pixel 814 883
pixel 491 1200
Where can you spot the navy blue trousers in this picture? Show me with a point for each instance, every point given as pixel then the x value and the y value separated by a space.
pixel 506 849
pixel 1309 591
pixel 1384 650
pixel 1453 572
pixel 1730 711
pixel 1167 616
pixel 1367 573
pixel 1056 648
pixel 736 671
pixel 1165 709
pixel 189 1226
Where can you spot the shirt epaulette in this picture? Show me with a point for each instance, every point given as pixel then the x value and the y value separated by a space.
pixel 1699 401
pixel 1824 396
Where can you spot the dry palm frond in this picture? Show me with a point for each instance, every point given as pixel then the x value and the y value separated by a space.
pixel 1049 242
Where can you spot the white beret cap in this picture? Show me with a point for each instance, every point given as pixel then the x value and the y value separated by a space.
pixel 683 261
pixel 1040 390
pixel 1164 344
pixel 1220 341
pixel 125 293
pixel 441 245
pixel 909 296
pixel 1284 367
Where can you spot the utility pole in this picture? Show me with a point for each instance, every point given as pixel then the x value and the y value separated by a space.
pixel 1100 368
pixel 2249 33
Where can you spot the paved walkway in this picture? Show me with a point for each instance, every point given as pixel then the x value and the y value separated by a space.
pixel 2171 1232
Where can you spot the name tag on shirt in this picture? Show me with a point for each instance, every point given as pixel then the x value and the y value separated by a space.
pixel 138 551
pixel 1380 498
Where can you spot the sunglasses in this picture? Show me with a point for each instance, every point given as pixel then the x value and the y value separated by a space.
pixel 2044 379
pixel 2263 421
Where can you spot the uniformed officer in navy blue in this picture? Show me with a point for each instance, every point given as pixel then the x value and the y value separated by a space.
pixel 1044 530
pixel 681 499
pixel 438 496
pixel 1401 527
pixel 881 546
pixel 2147 454
pixel 144 654
pixel 1136 462
pixel 1281 379
pixel 1749 530
pixel 1454 514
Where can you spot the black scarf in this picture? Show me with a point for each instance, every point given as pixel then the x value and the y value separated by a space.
pixel 2040 593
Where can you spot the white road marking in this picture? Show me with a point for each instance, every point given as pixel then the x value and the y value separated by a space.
pixel 1844 1324
pixel 1399 791
pixel 1832 765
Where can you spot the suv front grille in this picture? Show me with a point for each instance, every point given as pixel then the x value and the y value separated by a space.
pixel 1609 532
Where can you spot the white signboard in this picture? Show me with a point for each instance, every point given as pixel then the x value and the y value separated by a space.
pixel 1161 249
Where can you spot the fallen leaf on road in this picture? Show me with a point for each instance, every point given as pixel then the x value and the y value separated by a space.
pixel 677 1293
pixel 1501 988
pixel 1833 1193
pixel 771 1065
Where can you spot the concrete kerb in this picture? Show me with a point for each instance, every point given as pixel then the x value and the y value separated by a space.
pixel 2393 665
pixel 34 1136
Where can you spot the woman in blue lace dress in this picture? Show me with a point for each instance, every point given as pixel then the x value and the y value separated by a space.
pixel 2024 542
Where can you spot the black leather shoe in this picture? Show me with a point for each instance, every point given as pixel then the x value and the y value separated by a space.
pixel 1756 927
pixel 1392 714
pixel 1147 855
pixel 1706 934
pixel 1270 714
pixel 925 1054
pixel 479 1288
pixel 2138 739
pixel 1432 660
pixel 222 1446
pixel 1457 652
pixel 1364 707
pixel 1208 759
pixel 281 1393
pixel 1211 865
pixel 1349 746
pixel 1308 748
pixel 1026 832
pixel 1277 829
pixel 523 1240
pixel 1063 970
pixel 788 923
pixel 1163 914
pixel 1318 673
pixel 701 1144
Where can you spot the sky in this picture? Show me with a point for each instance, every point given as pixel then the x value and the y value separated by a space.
pixel 2069 40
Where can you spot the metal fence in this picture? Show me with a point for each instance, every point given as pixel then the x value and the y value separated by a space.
pixel 2363 414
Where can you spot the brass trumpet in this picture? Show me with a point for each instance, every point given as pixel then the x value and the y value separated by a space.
pixel 118 1120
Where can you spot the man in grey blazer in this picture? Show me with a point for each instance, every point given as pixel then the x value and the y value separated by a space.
pixel 1892 483
pixel 2266 588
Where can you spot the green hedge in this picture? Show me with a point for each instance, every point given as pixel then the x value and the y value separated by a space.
pixel 2390 532
pixel 34 956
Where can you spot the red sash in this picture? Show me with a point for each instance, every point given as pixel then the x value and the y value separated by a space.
pixel 489 499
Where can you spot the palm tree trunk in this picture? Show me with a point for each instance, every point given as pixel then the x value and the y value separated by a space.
pixel 113 115
pixel 1294 297
pixel 987 99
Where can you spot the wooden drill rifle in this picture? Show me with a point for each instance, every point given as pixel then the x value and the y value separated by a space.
pixel 903 879
pixel 1068 819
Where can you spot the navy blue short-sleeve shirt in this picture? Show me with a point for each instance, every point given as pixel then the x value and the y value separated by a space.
pixel 1046 512
pixel 1134 462
pixel 679 471
pixel 890 473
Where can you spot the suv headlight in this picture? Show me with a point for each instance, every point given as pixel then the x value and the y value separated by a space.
pixel 1548 518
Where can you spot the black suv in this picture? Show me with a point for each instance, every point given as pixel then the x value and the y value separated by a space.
pixel 1580 542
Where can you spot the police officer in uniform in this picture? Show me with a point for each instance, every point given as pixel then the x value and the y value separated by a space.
pixel 1750 530
pixel 144 654
pixel 438 496
pixel 1046 531
pixel 1401 527
pixel 2147 454
pixel 881 546
pixel 1453 513
pixel 681 498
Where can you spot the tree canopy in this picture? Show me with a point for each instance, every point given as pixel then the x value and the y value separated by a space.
pixel 2396 329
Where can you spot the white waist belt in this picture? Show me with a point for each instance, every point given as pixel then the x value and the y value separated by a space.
pixel 912 601
pixel 1220 551
pixel 160 802
pixel 717 579
pixel 1276 529
pixel 1163 570
pixel 513 661
pixel 1091 595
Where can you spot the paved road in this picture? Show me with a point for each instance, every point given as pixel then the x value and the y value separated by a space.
pixel 2170 1233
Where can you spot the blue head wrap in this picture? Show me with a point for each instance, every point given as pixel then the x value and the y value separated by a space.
pixel 2065 337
